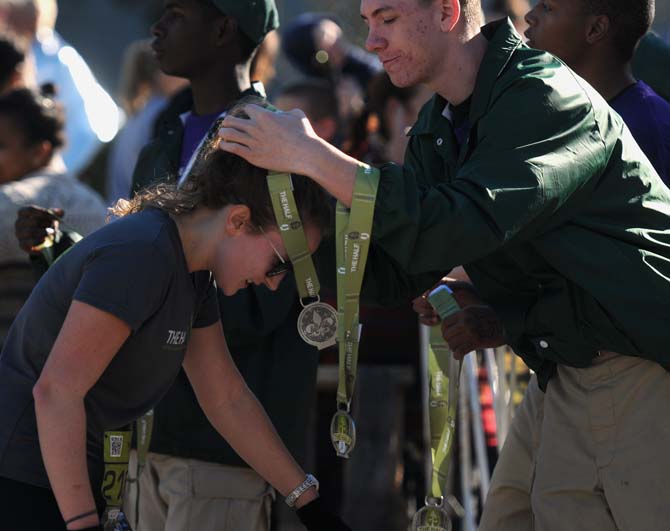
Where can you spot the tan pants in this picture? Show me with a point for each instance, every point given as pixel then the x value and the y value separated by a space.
pixel 592 454
pixel 189 495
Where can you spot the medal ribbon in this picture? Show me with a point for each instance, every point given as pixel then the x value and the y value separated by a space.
pixel 353 228
pixel 293 234
pixel 116 455
pixel 444 375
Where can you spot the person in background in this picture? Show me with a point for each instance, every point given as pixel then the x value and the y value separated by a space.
pixel 597 39
pixel 263 65
pixel 394 110
pixel 514 9
pixel 32 173
pixel 315 97
pixel 92 115
pixel 391 334
pixel 145 91
pixel 316 45
pixel 14 67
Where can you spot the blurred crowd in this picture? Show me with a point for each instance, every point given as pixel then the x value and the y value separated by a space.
pixel 67 145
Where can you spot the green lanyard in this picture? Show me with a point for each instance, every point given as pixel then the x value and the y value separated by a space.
pixel 353 229
pixel 317 323
pixel 116 455
pixel 444 375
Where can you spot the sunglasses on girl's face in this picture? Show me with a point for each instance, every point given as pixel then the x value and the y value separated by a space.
pixel 280 265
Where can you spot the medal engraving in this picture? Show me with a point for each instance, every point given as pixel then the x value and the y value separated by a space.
pixel 317 325
pixel 431 518
pixel 343 434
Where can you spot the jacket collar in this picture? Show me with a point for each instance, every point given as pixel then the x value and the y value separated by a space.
pixel 503 42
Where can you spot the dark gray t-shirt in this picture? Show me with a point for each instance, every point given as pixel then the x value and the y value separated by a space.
pixel 135 269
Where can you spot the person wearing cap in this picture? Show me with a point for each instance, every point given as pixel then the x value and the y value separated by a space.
pixel 192 478
pixel 520 171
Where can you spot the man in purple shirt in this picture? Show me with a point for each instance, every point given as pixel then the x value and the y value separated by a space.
pixel 597 39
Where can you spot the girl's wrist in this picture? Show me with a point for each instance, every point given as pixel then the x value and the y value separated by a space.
pixel 309 495
pixel 311 163
pixel 84 521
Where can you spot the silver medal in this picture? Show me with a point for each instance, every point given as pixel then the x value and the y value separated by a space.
pixel 317 325
pixel 343 433
pixel 432 517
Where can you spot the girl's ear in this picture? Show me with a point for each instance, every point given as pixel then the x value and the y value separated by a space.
pixel 238 217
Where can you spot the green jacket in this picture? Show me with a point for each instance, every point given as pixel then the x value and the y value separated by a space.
pixel 550 205
pixel 260 329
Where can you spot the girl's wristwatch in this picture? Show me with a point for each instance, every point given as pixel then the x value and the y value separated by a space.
pixel 310 481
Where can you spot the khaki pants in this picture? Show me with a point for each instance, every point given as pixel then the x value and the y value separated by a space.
pixel 592 454
pixel 189 495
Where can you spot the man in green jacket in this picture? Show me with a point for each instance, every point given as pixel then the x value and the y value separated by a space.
pixel 518 170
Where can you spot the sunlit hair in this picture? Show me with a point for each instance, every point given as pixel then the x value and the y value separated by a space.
pixel 221 179
pixel 629 20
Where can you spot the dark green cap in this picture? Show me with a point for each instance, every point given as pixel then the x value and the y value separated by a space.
pixel 256 18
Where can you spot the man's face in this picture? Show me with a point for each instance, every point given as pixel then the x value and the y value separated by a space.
pixel 403 33
pixel 184 37
pixel 559 27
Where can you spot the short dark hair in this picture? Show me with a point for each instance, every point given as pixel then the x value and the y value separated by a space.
pixel 38 116
pixel 318 95
pixel 12 54
pixel 629 20
pixel 380 91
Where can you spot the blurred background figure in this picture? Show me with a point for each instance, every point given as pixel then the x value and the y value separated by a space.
pixel 392 112
pixel 15 69
pixel 263 65
pixel 144 93
pixel 92 115
pixel 32 173
pixel 386 468
pixel 316 98
pixel 514 9
pixel 315 44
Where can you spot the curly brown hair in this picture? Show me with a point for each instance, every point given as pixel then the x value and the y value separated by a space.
pixel 220 179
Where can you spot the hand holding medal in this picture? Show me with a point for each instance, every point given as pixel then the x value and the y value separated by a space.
pixel 444 377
